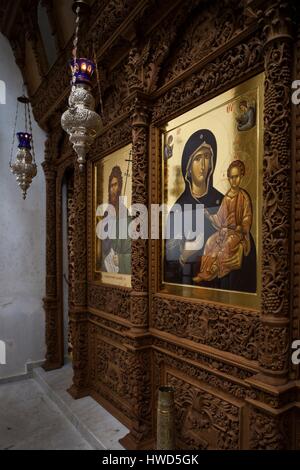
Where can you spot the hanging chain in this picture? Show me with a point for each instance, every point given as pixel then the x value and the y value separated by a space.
pixel 26 113
pixel 14 134
pixel 75 46
pixel 98 80
pixel 30 129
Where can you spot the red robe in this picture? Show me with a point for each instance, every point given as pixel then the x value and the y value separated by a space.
pixel 225 249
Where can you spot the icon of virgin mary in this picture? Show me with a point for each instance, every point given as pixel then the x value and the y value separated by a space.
pixel 182 256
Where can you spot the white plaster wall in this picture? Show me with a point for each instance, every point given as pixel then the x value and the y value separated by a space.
pixel 22 238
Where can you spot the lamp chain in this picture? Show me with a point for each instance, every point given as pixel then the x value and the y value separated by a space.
pixel 75 45
pixel 98 80
pixel 26 113
pixel 14 134
pixel 30 130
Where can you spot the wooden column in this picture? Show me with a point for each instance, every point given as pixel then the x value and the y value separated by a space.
pixel 78 295
pixel 274 349
pixel 270 420
pixel 137 341
pixel 139 250
pixel 54 343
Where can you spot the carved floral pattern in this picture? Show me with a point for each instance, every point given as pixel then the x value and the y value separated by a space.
pixel 240 60
pixel 203 420
pixel 115 301
pixel 224 328
pixel 267 432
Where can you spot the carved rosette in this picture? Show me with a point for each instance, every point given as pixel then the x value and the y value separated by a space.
pixel 139 248
pixel 277 183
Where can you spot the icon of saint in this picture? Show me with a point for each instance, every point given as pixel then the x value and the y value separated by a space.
pixel 246 120
pixel 116 253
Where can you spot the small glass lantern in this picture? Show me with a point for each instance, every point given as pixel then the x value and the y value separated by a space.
pixel 24 167
pixel 80 120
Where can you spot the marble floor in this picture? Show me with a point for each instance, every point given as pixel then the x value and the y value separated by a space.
pixel 38 414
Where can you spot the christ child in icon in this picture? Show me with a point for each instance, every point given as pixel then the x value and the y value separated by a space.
pixel 224 250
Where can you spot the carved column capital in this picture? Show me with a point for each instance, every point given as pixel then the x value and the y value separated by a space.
pixel 140 111
pixel 278 22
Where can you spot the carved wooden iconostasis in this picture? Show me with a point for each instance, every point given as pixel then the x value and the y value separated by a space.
pixel 227 355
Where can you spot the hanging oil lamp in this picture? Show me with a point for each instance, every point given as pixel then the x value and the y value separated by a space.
pixel 80 120
pixel 24 167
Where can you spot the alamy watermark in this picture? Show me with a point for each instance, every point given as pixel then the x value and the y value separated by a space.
pixel 2 92
pixel 296 353
pixel 2 353
pixel 181 222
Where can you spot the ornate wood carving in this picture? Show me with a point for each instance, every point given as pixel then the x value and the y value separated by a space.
pixel 121 377
pixel 296 210
pixel 276 259
pixel 158 59
pixel 229 329
pixel 203 420
pixel 139 247
pixel 211 27
pixel 195 371
pixel 205 360
pixel 78 289
pixel 115 301
pixel 268 432
pixel 240 61
pixel 111 138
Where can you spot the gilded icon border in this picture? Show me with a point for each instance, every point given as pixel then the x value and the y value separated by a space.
pixel 230 297
pixel 108 279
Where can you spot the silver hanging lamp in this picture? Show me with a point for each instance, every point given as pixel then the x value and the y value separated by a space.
pixel 24 167
pixel 80 120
